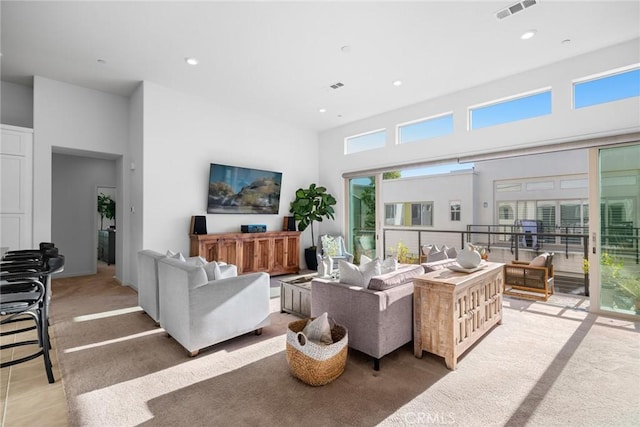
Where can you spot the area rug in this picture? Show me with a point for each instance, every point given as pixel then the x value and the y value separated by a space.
pixel 544 366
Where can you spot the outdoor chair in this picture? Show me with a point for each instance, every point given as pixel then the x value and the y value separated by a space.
pixel 530 280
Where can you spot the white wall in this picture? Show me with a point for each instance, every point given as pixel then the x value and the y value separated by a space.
pixel 459 186
pixel 183 135
pixel 572 162
pixel 79 120
pixel 133 170
pixel 16 105
pixel 563 125
pixel 73 188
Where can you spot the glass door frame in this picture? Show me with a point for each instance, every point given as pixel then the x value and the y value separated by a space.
pixel 348 216
pixel 595 222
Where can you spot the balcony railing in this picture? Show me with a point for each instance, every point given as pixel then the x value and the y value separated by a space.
pixel 570 240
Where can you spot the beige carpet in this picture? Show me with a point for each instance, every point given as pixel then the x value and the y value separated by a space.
pixel 544 366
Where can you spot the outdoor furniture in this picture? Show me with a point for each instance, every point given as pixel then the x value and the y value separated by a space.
pixel 530 280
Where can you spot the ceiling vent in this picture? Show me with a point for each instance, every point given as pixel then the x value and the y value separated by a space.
pixel 515 8
pixel 336 85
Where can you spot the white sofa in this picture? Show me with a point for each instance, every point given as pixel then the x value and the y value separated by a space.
pixel 148 280
pixel 198 312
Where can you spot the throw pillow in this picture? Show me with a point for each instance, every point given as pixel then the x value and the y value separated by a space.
pixel 437 256
pixel 388 265
pixel 452 253
pixel 426 249
pixel 330 245
pixel 365 259
pixel 539 261
pixel 434 249
pixel 176 255
pixel 197 260
pixel 351 274
pixel 213 271
pixel 318 330
pixel 226 270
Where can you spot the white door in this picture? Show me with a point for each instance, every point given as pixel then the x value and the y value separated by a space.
pixel 16 167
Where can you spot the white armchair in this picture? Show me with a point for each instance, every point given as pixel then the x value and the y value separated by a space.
pixel 148 296
pixel 334 248
pixel 198 312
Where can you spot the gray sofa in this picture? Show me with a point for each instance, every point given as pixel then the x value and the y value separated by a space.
pixel 379 319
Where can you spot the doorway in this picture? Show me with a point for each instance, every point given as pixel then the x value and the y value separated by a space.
pixel 362 216
pixel 618 254
pixel 106 214
pixel 75 179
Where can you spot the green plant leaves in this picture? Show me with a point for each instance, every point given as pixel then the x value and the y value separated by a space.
pixel 312 204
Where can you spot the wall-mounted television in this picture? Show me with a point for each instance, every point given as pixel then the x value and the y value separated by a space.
pixel 237 190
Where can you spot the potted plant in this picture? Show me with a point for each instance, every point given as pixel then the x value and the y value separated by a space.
pixel 310 205
pixel 106 208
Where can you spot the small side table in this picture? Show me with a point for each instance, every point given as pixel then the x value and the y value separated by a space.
pixel 295 295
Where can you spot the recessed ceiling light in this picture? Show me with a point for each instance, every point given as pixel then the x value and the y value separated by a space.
pixel 566 41
pixel 323 110
pixel 191 61
pixel 345 49
pixel 397 83
pixel 528 34
pixel 101 61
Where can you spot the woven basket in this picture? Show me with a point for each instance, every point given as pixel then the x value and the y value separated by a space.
pixel 316 364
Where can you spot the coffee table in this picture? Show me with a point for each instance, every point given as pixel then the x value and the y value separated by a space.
pixel 295 295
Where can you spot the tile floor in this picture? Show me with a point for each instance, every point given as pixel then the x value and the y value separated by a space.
pixel 27 397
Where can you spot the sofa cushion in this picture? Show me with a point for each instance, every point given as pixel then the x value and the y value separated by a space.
pixel 351 274
pixel 438 265
pixel 404 274
pixel 539 261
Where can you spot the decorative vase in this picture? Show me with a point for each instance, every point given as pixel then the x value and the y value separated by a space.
pixel 469 258
pixel 325 268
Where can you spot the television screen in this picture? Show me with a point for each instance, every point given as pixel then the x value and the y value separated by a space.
pixel 236 190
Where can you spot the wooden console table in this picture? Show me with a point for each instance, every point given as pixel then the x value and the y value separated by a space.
pixel 452 310
pixel 274 252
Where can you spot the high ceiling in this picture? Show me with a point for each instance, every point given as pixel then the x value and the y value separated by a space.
pixel 279 59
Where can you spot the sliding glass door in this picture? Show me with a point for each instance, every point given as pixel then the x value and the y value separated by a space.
pixel 362 216
pixel 619 196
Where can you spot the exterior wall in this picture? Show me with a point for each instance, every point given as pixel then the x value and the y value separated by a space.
pixel 565 124
pixel 459 187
